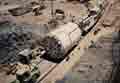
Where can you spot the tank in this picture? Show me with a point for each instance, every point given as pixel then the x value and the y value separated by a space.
pixel 59 41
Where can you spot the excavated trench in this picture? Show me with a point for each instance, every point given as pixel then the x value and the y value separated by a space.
pixel 16 37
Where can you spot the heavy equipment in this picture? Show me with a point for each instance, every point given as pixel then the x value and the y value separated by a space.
pixel 58 42
pixel 54 45
pixel 27 71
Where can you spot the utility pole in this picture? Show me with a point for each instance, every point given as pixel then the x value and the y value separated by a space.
pixel 52 8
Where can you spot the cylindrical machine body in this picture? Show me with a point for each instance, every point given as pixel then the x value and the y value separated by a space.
pixel 59 41
pixel 68 34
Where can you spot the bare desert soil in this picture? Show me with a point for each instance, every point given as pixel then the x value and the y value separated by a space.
pixel 10 2
pixel 96 64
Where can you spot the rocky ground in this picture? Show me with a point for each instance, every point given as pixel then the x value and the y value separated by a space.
pixel 100 63
pixel 97 63
pixel 10 2
pixel 19 26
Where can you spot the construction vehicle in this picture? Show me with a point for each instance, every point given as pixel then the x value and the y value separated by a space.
pixel 26 75
pixel 55 45
pixel 27 70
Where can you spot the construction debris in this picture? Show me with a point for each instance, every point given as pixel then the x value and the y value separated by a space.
pixel 30 47
pixel 20 10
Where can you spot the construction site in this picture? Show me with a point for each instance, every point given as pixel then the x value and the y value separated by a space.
pixel 59 41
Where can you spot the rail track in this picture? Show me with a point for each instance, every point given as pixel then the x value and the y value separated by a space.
pixel 57 71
